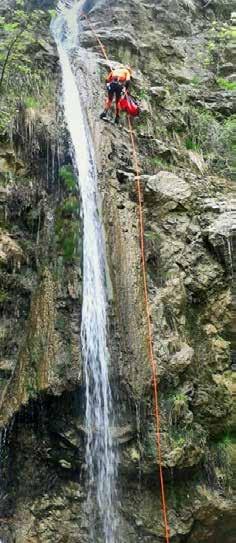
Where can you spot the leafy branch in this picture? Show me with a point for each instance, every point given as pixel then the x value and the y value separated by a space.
pixel 17 37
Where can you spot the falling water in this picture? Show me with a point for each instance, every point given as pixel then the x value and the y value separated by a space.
pixel 100 457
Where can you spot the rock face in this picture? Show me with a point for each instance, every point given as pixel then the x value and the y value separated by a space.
pixel 183 137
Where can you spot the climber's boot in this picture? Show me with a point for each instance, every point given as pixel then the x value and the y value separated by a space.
pixel 103 115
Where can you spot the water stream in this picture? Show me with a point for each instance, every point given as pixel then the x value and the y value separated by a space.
pixel 100 457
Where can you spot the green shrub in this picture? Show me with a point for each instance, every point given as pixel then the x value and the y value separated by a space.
pixel 68 177
pixel 196 81
pixel 225 84
pixel 191 145
pixel 3 296
pixel 214 138
pixel 67 228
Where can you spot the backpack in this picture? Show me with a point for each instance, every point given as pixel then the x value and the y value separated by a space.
pixel 129 104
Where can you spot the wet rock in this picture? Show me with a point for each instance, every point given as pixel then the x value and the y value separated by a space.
pixel 182 359
pixel 220 233
pixel 6 367
pixel 219 101
pixel 158 92
pixel 226 69
pixel 167 188
pixel 10 251
pixel 65 464
pixel 123 434
pixel 183 75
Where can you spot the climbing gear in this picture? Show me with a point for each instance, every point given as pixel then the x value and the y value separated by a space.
pixel 153 362
pixel 129 104
pixel 103 115
pixel 114 90
pixel 117 120
pixel 119 74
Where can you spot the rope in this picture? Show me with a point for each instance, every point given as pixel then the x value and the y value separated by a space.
pixel 147 307
pixel 150 334
pixel 103 49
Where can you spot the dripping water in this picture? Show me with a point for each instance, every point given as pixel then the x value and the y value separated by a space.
pixel 101 460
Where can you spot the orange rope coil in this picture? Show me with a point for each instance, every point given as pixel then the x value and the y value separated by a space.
pixel 153 362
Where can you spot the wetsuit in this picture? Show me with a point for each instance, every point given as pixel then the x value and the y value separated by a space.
pixel 116 81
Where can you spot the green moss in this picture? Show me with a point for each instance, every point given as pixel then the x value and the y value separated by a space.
pixel 68 177
pixel 70 206
pixel 227 439
pixel 153 236
pixel 196 81
pixel 31 102
pixel 4 297
pixel 36 350
pixel 225 84
pixel 142 94
pixel 191 145
pixel 69 245
pixel 211 46
pixel 155 161
pixel 229 33
pixel 67 228
pixel 179 441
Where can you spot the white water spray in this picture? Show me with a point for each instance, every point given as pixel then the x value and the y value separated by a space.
pixel 100 457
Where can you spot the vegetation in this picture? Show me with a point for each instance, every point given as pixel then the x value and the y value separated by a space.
pixel 196 81
pixel 21 76
pixel 219 461
pixel 68 177
pixel 142 94
pixel 220 36
pixel 4 296
pixel 159 162
pixel 225 84
pixel 67 217
pixel 191 145
pixel 215 139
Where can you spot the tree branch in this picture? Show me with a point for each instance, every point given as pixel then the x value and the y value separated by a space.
pixel 11 47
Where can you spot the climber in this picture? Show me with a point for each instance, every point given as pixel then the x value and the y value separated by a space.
pixel 116 82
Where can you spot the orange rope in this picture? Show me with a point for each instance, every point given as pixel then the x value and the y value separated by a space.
pixel 98 39
pixel 148 313
pixel 150 334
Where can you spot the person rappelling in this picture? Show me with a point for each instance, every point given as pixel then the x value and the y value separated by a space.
pixel 117 82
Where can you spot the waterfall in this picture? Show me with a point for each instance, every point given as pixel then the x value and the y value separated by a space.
pixel 100 456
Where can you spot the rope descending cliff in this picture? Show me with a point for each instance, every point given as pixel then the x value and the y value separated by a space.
pixel 152 360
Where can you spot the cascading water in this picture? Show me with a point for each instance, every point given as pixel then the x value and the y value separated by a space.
pixel 100 456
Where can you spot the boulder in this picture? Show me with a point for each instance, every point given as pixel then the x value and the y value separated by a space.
pixel 166 187
pixel 183 75
pixel 182 359
pixel 159 93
